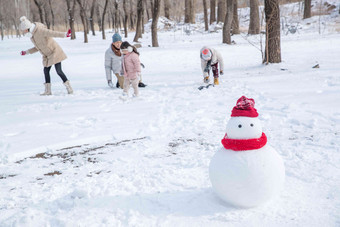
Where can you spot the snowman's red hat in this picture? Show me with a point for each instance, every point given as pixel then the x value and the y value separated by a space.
pixel 244 108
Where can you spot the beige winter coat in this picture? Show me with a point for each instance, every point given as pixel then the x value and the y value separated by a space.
pixel 46 45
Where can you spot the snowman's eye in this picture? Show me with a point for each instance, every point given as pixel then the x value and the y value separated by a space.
pixel 240 126
pixel 251 125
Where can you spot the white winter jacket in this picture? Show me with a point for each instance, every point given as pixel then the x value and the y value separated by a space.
pixel 112 62
pixel 216 57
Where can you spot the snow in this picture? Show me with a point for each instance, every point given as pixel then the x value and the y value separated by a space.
pixel 90 159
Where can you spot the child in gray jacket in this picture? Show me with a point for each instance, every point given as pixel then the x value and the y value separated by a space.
pixel 113 61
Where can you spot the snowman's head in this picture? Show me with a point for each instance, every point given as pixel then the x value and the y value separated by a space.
pixel 244 123
pixel 244 128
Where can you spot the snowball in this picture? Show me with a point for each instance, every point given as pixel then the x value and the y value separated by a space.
pixel 247 178
pixel 244 128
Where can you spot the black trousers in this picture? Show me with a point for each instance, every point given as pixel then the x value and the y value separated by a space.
pixel 59 71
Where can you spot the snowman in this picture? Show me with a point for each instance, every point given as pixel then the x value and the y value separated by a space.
pixel 246 172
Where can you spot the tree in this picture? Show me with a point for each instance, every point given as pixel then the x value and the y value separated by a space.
pixel 99 20
pixel 47 18
pixel 212 11
pixel 40 6
pixel 93 7
pixel 82 5
pixel 103 19
pixel 227 22
pixel 126 18
pixel 254 24
pixel 205 10
pixel 192 11
pixel 116 16
pixel 167 9
pixel 132 22
pixel 273 43
pixel 235 24
pixel 139 21
pixel 307 12
pixel 71 9
pixel 155 16
pixel 187 11
pixel 52 14
pixel 147 9
pixel 221 8
pixel 1 21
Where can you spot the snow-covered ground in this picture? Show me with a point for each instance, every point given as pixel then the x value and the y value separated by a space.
pixel 90 159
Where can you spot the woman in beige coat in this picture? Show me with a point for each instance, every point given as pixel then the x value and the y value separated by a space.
pixel 52 53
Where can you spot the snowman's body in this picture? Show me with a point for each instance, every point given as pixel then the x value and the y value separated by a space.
pixel 246 178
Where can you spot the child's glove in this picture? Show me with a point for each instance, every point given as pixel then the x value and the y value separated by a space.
pixel 109 82
pixel 221 72
pixel 68 34
pixel 23 53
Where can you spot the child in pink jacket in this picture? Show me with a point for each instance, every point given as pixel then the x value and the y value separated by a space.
pixel 131 68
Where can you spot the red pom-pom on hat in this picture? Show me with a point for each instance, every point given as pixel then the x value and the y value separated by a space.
pixel 244 108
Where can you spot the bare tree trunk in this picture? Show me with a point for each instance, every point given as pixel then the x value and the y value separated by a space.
pixel 227 22
pixel 143 15
pixel 151 3
pixel 212 11
pixel 99 21
pixel 47 19
pixel 41 10
pixel 116 17
pixel 273 43
pixel 147 9
pixel 307 12
pixel 187 11
pixel 132 24
pixel 2 30
pixel 103 19
pixel 83 19
pixel 71 10
pixel 254 24
pixel 205 10
pixel 93 7
pixel 126 17
pixel 139 21
pixel 167 9
pixel 1 21
pixel 155 16
pixel 192 11
pixel 221 10
pixel 235 24
pixel 52 14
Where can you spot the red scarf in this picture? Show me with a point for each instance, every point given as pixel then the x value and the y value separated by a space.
pixel 244 144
